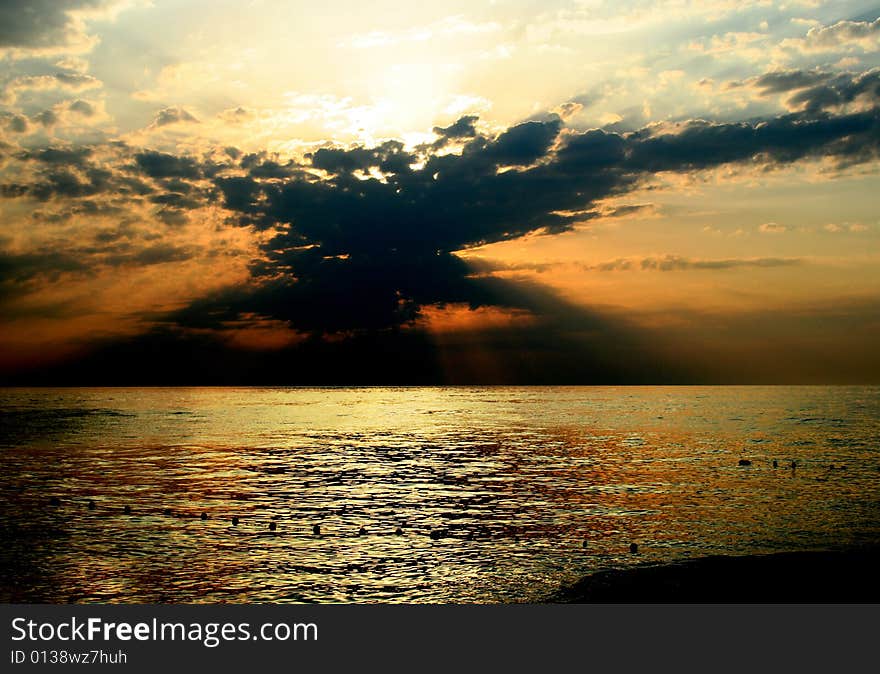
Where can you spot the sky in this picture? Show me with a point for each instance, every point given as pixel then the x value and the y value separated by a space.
pixel 585 192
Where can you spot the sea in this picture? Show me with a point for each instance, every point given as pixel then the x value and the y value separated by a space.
pixel 416 494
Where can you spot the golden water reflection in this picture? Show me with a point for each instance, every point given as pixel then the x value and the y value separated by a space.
pixel 421 494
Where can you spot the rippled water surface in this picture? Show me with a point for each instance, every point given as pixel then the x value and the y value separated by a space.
pixel 421 494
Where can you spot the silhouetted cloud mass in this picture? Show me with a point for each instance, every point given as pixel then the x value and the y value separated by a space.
pixel 356 252
pixel 358 241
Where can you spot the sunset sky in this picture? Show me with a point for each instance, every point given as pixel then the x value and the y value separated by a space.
pixel 639 191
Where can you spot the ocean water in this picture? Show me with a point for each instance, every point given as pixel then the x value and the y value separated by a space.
pixel 461 494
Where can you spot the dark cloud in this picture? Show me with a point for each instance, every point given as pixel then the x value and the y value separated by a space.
pixel 465 127
pixel 163 165
pixel 838 91
pixel 260 165
pixel 816 90
pixel 70 156
pixel 175 200
pixel 87 207
pixel 173 217
pixel 16 123
pixel 389 157
pixel 17 268
pixel 520 145
pixel 173 116
pixel 592 151
pixel 240 194
pixel 46 118
pixel 67 184
pixel 700 144
pixel 788 80
pixel 353 254
pixel 156 254
pixel 76 80
pixel 33 24
pixel 82 107
pixel 110 249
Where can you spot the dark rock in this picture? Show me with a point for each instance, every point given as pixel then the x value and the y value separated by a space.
pixel 745 462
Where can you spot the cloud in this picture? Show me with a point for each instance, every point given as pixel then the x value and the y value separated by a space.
pixel 237 115
pixel 46 25
pixel 174 115
pixel 841 36
pixel 676 263
pixel 772 228
pixel 699 144
pixel 70 81
pixel 163 165
pixel 389 157
pixel 661 263
pixel 741 44
pixel 38 28
pixel 464 127
pixel 81 107
pixel 835 228
pixel 359 242
pixel 364 252
pixel 815 90
pixel 14 123
pixel 788 80
pixel 17 268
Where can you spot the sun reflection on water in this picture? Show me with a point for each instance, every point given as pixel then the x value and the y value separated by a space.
pixel 420 494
